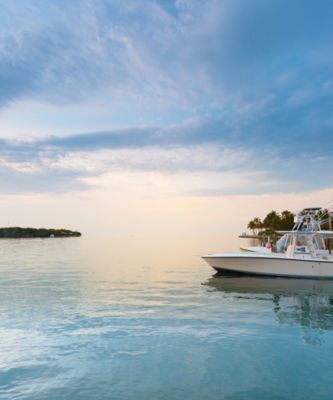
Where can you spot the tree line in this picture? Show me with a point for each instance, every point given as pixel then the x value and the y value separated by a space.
pixel 273 222
pixel 283 221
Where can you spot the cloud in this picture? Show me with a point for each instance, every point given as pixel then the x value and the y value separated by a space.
pixel 193 53
pixel 67 52
pixel 250 85
pixel 199 145
pixel 102 140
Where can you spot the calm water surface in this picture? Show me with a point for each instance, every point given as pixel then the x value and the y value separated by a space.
pixel 146 319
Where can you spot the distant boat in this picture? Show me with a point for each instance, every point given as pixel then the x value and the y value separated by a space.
pixel 301 252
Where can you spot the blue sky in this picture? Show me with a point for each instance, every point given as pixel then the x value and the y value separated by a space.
pixel 236 94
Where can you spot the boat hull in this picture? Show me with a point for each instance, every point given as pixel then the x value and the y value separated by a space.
pixel 270 265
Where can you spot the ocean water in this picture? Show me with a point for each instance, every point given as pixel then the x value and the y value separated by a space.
pixel 142 318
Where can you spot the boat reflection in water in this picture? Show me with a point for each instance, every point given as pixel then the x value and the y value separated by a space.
pixel 304 302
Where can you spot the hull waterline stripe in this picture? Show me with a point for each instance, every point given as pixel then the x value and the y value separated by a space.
pixel 240 272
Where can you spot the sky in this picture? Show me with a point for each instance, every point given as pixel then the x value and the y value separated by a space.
pixel 166 114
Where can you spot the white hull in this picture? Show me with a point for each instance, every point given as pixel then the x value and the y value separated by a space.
pixel 271 265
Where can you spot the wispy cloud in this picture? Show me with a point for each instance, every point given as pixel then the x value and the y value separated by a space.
pixel 251 85
pixel 195 146
pixel 192 53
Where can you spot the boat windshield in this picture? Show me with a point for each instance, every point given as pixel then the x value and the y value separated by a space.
pixel 318 242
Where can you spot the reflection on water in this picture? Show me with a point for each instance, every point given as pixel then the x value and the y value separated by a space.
pixel 306 302
pixel 143 318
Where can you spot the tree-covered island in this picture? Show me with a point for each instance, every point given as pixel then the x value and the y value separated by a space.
pixel 20 233
pixel 274 223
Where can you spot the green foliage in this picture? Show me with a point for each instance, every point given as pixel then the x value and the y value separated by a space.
pixel 255 225
pixel 272 222
pixel 287 220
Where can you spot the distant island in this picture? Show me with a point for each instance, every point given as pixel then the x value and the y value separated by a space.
pixel 20 233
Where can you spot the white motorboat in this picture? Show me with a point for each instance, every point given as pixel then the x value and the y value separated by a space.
pixel 301 252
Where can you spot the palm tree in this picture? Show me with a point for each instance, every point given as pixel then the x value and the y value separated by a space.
pixel 255 225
